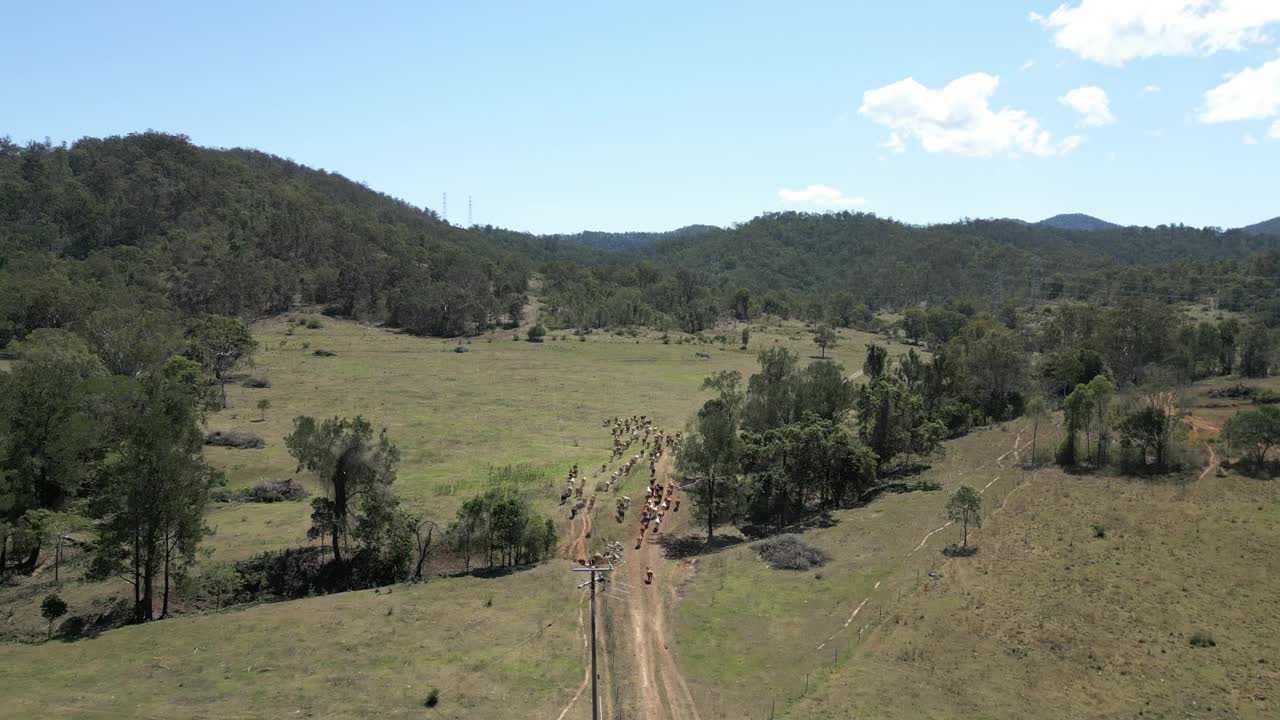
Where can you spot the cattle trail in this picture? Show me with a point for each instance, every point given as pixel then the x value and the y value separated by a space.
pixel 664 693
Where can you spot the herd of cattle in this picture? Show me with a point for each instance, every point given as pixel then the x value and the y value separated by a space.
pixel 653 443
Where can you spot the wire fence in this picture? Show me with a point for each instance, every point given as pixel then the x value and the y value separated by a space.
pixel 921 565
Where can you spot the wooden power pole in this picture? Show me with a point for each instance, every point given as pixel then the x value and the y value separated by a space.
pixel 595 676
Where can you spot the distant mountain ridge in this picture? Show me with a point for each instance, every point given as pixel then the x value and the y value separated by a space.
pixel 1077 221
pixel 600 239
pixel 1266 227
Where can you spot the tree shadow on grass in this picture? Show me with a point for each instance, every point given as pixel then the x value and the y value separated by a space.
pixel 494 572
pixel 1269 470
pixel 104 614
pixel 819 519
pixel 687 546
pixel 897 488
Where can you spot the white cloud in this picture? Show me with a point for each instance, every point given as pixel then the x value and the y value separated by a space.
pixel 1251 94
pixel 1273 132
pixel 1249 139
pixel 820 196
pixel 1116 31
pixel 1027 65
pixel 895 144
pixel 1092 104
pixel 1150 89
pixel 958 119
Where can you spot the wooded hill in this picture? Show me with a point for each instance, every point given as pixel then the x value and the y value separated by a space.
pixel 1266 227
pixel 790 263
pixel 152 221
pixel 1077 221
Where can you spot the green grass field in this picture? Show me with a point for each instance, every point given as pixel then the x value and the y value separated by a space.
pixel 1045 620
pixel 455 416
pixel 752 636
pixel 1082 602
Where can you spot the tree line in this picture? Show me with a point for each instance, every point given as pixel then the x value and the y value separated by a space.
pixel 151 223
pixel 798 439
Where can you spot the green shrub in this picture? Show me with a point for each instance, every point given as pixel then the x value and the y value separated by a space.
pixel 1267 397
pixel 51 609
pixel 433 698
pixel 220 582
pixel 1202 639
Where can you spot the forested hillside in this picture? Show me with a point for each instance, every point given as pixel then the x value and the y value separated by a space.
pixel 1266 227
pixel 152 221
pixel 839 265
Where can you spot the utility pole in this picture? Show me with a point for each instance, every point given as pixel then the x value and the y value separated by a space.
pixel 469 223
pixel 595 677
pixel 444 206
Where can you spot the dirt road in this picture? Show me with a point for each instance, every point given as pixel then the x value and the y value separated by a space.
pixel 664 693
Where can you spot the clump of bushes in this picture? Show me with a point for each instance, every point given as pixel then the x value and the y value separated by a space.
pixel 1202 639
pixel 462 349
pixel 953 550
pixel 304 572
pixel 311 321
pixel 787 552
pixel 235 439
pixel 433 698
pixel 537 333
pixel 256 382
pixel 1099 531
pixel 266 491
pixel 322 353
pixel 1267 397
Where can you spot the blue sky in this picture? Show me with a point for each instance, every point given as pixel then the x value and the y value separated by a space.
pixel 563 116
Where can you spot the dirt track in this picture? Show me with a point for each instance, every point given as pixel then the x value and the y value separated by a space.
pixel 664 693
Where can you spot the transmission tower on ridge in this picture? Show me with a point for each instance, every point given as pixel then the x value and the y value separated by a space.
pixel 469 223
pixel 444 206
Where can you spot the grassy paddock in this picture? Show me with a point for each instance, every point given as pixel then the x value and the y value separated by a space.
pixel 752 636
pixel 509 412
pixel 359 654
pixel 1082 602
pixel 1050 620
pixel 459 416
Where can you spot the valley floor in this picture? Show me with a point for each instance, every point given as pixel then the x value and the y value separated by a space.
pixel 1079 603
